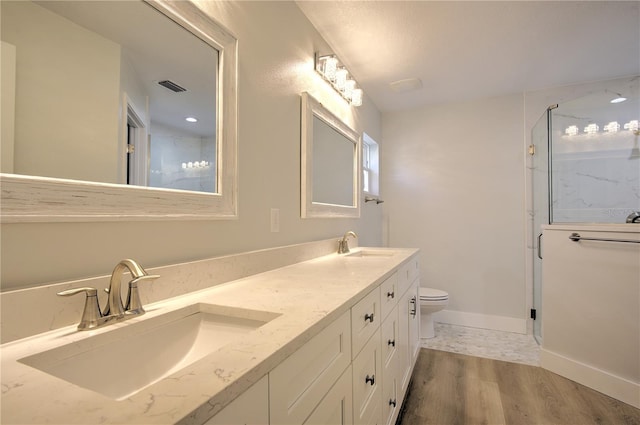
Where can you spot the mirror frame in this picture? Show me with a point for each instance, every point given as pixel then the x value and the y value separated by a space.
pixel 43 199
pixel 308 208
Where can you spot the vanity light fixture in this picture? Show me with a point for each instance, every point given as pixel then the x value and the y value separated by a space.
pixel 330 68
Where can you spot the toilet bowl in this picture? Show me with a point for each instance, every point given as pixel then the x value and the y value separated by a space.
pixel 431 301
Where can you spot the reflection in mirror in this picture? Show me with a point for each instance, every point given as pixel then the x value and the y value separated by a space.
pixel 330 163
pixel 333 156
pixel 94 116
pixel 102 90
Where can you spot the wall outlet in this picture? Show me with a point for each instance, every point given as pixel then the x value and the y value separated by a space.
pixel 275 220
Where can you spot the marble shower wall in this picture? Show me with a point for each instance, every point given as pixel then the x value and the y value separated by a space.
pixel 595 176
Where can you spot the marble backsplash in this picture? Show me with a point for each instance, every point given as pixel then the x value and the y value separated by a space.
pixel 31 311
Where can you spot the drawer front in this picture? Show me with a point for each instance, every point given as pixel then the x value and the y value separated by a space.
pixel 365 319
pixel 367 380
pixel 389 294
pixel 389 337
pixel 337 406
pixel 299 382
pixel 408 273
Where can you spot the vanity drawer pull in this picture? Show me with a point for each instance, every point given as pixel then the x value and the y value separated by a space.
pixel 368 317
pixel 392 402
pixel 391 294
pixel 391 342
pixel 370 380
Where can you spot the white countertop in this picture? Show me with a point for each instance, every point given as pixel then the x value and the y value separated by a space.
pixel 308 295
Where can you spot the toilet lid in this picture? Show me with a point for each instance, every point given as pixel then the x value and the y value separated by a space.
pixel 433 294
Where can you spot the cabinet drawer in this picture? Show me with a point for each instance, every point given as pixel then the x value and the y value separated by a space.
pixel 299 382
pixel 408 273
pixel 365 319
pixel 367 380
pixel 337 406
pixel 389 294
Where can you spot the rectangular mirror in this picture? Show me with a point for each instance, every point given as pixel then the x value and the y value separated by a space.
pixel 95 101
pixel 330 153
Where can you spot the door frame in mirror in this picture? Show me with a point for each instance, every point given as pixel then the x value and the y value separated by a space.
pixel 308 208
pixel 42 199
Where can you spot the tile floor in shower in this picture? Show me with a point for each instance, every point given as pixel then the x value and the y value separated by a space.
pixel 507 346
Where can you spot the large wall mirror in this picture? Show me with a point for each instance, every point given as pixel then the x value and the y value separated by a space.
pixel 116 110
pixel 330 153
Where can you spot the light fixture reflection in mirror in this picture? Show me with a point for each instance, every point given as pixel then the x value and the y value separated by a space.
pixel 32 195
pixel 330 163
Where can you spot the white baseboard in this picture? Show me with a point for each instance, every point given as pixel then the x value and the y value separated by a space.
pixel 614 386
pixel 483 321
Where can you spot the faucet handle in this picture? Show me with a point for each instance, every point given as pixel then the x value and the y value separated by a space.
pixel 91 313
pixel 133 304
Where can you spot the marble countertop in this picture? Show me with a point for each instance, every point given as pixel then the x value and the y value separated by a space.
pixel 307 295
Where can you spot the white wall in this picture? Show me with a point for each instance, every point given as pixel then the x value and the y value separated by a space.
pixel 57 104
pixel 591 300
pixel 276 47
pixel 453 184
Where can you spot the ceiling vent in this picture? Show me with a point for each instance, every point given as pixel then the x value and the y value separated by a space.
pixel 171 86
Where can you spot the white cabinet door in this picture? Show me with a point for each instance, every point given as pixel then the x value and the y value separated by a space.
pixel 337 406
pixel 390 371
pixel 298 384
pixel 402 343
pixel 250 408
pixel 367 377
pixel 365 320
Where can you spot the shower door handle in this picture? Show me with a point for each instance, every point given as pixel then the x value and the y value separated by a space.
pixel 539 246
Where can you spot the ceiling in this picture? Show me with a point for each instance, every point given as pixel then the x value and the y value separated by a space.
pixel 469 50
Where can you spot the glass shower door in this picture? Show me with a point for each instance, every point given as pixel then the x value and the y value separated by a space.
pixel 539 160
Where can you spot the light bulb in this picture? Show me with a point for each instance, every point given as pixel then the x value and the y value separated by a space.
pixel 572 130
pixel 191 119
pixel 341 78
pixel 356 97
pixel 330 67
pixel 618 99
pixel 349 86
pixel 612 127
pixel 632 125
pixel 591 128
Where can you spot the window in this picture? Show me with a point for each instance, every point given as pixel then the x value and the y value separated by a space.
pixel 370 165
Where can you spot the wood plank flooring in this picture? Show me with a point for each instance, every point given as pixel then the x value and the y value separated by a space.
pixel 455 389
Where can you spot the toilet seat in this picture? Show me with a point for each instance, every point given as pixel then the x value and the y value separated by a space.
pixel 431 294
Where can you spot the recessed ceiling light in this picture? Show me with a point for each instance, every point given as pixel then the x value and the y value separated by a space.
pixel 618 99
pixel 191 119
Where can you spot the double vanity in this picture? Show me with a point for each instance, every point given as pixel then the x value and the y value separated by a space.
pixel 332 339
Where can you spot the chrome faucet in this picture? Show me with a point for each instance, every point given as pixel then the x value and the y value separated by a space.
pixel 343 244
pixel 634 217
pixel 114 310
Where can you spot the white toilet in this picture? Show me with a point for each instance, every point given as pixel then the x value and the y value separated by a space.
pixel 431 300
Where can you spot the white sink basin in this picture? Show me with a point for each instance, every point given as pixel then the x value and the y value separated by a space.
pixel 121 362
pixel 372 253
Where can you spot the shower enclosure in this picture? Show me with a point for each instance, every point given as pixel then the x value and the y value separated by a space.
pixel 586 167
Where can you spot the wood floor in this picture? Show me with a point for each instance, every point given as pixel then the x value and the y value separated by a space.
pixel 454 389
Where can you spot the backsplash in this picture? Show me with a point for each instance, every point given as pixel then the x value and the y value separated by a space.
pixel 27 312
